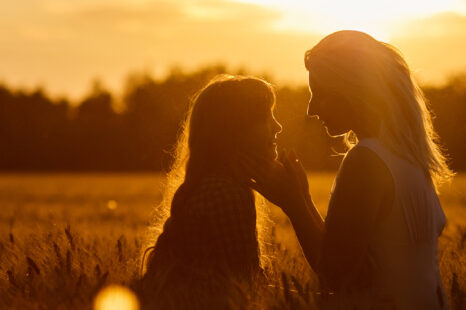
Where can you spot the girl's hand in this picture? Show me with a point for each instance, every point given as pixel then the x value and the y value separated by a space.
pixel 282 182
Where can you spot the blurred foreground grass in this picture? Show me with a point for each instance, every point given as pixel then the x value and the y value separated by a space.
pixel 63 237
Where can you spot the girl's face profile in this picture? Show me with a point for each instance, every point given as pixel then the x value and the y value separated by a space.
pixel 261 138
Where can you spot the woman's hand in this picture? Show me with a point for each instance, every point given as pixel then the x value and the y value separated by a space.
pixel 282 182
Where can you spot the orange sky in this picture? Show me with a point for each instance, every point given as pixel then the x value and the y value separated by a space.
pixel 63 45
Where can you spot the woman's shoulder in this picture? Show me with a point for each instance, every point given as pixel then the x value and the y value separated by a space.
pixel 363 171
pixel 377 155
pixel 362 159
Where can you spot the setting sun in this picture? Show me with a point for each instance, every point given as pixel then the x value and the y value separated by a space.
pixel 374 17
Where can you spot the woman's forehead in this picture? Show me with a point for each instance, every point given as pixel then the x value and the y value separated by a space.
pixel 311 83
pixel 315 85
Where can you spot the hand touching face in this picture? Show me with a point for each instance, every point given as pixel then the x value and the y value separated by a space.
pixel 283 182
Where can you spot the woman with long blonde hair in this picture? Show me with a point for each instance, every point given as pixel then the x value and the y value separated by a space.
pixel 377 248
pixel 211 229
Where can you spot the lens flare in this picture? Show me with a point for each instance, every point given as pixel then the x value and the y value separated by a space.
pixel 112 204
pixel 116 297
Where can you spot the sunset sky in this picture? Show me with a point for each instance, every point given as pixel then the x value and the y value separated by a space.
pixel 63 45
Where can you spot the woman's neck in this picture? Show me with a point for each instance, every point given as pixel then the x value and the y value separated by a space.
pixel 365 133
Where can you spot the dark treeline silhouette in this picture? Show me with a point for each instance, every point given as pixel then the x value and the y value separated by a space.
pixel 41 134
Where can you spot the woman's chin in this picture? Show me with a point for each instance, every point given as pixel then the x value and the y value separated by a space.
pixel 334 132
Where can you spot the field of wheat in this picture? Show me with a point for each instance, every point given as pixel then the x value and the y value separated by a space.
pixel 66 237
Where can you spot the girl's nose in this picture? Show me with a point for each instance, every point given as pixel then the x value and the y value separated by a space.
pixel 278 127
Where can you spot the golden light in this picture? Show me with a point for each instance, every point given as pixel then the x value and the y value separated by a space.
pixel 375 17
pixel 116 297
pixel 112 205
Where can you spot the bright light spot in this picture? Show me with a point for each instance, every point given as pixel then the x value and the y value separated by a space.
pixel 112 204
pixel 205 13
pixel 374 17
pixel 116 297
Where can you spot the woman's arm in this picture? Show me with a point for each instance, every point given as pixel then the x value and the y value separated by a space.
pixel 310 230
pixel 363 192
pixel 284 183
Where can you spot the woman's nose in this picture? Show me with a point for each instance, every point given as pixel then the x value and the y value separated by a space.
pixel 311 108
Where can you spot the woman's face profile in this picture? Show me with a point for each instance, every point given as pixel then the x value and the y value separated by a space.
pixel 261 138
pixel 331 109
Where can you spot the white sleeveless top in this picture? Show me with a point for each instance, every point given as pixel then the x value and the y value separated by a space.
pixel 403 249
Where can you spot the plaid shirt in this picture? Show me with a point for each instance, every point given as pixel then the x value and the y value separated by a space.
pixel 212 223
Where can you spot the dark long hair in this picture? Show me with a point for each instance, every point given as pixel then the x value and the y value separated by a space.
pixel 216 123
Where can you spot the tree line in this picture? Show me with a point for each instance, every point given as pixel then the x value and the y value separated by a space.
pixel 38 133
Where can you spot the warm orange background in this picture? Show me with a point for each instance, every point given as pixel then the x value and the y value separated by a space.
pixel 62 45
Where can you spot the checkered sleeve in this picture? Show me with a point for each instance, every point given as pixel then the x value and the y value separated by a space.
pixel 229 217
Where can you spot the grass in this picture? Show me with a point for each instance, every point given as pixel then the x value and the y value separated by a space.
pixel 64 237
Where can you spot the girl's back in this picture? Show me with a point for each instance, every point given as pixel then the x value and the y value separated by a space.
pixel 212 225
pixel 210 238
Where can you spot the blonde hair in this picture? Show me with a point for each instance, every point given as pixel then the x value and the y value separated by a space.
pixel 217 120
pixel 374 77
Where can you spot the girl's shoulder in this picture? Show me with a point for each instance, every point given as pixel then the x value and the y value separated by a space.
pixel 212 192
pixel 219 183
pixel 221 189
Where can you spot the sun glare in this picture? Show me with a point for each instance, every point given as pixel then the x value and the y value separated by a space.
pixel 116 297
pixel 374 17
